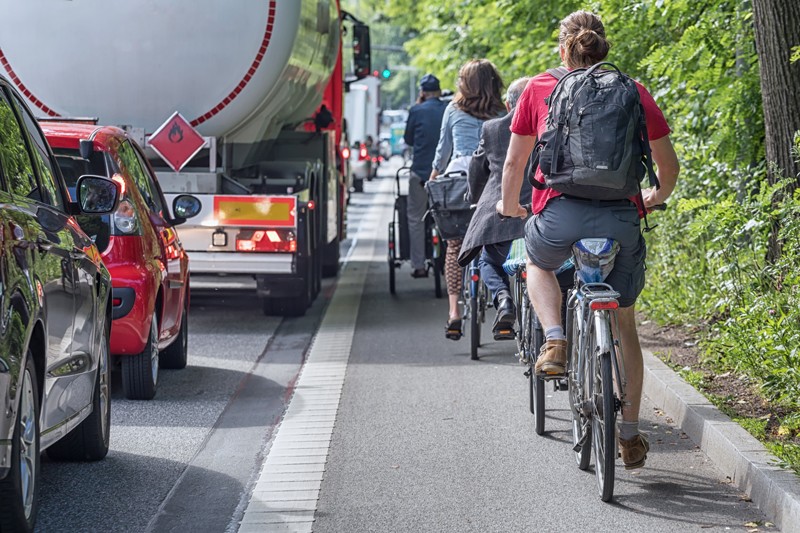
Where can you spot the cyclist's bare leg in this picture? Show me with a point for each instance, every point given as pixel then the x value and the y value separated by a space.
pixel 633 365
pixel 545 295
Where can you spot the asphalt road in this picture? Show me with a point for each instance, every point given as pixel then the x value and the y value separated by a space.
pixel 183 460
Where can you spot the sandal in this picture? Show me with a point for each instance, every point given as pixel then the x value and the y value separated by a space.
pixel 453 329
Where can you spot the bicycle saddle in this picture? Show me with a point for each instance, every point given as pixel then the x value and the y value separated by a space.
pixel 594 258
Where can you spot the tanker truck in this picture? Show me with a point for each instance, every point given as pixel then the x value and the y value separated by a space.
pixel 238 103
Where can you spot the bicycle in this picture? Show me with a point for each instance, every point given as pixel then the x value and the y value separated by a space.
pixel 399 241
pixel 474 302
pixel 529 334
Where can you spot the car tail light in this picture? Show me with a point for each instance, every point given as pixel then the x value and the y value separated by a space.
pixel 271 240
pixel 125 220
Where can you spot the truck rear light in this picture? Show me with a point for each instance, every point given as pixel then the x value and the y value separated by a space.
pixel 272 240
pixel 125 220
pixel 362 152
pixel 345 153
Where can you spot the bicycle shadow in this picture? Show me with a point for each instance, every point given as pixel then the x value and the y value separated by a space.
pixel 679 497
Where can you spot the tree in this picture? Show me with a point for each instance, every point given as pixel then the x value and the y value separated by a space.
pixel 777 29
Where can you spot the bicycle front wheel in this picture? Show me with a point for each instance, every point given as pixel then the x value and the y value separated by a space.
pixel 603 421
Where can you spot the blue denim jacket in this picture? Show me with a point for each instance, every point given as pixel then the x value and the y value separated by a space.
pixel 459 136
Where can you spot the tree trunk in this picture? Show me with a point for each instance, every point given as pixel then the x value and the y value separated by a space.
pixel 777 30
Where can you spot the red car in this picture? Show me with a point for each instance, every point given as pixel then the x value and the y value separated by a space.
pixel 140 247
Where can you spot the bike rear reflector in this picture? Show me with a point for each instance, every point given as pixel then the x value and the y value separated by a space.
pixel 362 152
pixel 435 239
pixel 266 241
pixel 475 277
pixel 604 304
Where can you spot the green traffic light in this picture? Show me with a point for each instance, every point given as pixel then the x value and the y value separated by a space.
pixel 386 73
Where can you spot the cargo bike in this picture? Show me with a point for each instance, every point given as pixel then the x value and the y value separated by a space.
pixel 399 244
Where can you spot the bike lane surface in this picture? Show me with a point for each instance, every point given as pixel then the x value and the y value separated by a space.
pixel 425 439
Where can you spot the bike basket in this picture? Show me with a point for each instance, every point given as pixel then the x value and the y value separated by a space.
pixel 594 258
pixel 450 210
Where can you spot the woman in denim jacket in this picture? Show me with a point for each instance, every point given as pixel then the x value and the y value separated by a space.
pixel 477 100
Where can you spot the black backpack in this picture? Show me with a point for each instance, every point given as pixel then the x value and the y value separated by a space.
pixel 595 144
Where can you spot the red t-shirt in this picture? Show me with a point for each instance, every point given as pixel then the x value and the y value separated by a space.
pixel 531 113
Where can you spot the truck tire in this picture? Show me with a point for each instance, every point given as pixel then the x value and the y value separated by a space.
pixel 330 261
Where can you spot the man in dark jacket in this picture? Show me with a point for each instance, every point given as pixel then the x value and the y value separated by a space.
pixel 422 135
pixel 487 231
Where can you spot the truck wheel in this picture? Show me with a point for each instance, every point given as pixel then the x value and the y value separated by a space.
pixel 19 490
pixel 140 371
pixel 89 441
pixel 176 355
pixel 330 261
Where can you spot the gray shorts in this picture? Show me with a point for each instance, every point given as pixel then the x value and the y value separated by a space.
pixel 550 234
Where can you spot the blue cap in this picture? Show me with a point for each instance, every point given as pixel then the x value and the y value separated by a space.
pixel 429 83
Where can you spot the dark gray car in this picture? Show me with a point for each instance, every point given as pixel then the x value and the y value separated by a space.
pixel 55 315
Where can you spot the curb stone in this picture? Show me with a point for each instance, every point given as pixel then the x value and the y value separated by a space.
pixel 751 468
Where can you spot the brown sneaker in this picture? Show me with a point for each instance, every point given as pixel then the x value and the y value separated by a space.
pixel 634 451
pixel 553 358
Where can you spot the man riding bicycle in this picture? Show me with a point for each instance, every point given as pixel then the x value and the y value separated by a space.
pixel 560 221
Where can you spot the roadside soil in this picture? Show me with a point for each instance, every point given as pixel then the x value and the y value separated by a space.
pixel 736 394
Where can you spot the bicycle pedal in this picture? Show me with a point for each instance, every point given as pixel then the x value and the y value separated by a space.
pixel 504 335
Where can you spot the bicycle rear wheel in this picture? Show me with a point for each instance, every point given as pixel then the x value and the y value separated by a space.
pixel 474 325
pixel 603 421
pixel 392 258
pixel 581 428
pixel 537 383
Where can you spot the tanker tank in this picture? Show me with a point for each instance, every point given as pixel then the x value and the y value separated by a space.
pixel 237 70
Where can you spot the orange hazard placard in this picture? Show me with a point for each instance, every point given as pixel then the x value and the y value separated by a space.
pixel 274 211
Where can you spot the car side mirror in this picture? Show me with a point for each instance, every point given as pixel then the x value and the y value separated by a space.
pixel 185 206
pixel 97 195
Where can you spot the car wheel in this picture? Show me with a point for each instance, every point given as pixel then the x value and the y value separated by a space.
pixel 176 355
pixel 140 371
pixel 19 491
pixel 89 441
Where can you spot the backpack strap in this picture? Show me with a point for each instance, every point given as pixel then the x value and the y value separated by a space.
pixel 647 153
pixel 558 72
pixel 534 164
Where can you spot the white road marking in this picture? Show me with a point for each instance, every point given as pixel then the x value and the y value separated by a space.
pixel 286 491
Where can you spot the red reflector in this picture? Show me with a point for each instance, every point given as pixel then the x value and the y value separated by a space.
pixel 610 304
pixel 524 274
pixel 475 277
pixel 116 302
pixel 435 239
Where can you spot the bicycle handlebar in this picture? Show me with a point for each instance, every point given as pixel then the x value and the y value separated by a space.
pixel 526 207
